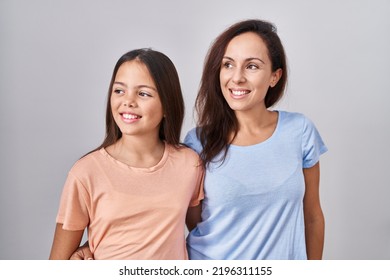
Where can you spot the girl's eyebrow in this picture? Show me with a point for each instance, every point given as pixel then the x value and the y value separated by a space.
pixel 139 86
pixel 120 83
pixel 246 60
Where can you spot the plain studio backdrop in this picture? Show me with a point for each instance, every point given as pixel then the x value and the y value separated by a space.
pixel 57 57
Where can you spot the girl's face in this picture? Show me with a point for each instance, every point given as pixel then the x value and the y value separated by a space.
pixel 135 102
pixel 246 73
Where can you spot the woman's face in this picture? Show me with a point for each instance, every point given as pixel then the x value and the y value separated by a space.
pixel 135 102
pixel 246 73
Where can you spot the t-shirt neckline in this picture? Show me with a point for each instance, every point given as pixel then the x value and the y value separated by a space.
pixel 123 165
pixel 269 139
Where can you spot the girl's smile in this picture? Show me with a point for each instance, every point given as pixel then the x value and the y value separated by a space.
pixel 135 102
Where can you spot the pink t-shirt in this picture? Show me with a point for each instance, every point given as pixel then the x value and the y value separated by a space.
pixel 132 213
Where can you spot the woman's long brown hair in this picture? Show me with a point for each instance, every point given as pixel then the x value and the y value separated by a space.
pixel 216 120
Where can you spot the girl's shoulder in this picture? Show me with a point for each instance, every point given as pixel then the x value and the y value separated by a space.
pixel 183 151
pixel 184 155
pixel 88 161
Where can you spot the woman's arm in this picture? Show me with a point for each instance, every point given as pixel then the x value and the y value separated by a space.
pixel 65 243
pixel 314 218
pixel 193 216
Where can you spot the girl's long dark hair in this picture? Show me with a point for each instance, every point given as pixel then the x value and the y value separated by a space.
pixel 216 120
pixel 166 79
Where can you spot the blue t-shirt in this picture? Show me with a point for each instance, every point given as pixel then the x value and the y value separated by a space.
pixel 253 206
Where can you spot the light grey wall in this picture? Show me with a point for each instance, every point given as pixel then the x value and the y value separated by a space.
pixel 56 59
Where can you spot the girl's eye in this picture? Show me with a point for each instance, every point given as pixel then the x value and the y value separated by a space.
pixel 118 91
pixel 144 94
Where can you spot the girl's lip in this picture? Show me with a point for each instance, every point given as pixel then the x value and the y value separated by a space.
pixel 130 117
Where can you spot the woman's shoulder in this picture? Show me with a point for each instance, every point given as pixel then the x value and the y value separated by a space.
pixel 193 133
pixel 299 124
pixel 291 116
pixel 192 141
pixel 294 119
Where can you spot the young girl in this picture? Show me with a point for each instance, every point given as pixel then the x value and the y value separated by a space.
pixel 262 178
pixel 133 191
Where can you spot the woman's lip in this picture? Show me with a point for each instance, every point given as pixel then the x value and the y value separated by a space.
pixel 239 93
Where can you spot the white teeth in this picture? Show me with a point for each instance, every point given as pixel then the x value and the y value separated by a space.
pixel 239 92
pixel 130 116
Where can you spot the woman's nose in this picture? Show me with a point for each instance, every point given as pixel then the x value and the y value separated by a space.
pixel 238 76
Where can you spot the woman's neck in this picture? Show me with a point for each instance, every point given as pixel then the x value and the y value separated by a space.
pixel 255 128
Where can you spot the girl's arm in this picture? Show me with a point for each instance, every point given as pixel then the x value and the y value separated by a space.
pixel 314 218
pixel 65 243
pixel 82 253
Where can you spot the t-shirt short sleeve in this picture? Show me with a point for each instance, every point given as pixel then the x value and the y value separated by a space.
pixel 198 194
pixel 73 211
pixel 312 144
pixel 192 141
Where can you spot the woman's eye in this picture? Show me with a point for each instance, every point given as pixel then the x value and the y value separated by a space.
pixel 253 67
pixel 227 65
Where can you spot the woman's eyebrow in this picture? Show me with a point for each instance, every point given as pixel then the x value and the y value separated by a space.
pixel 246 60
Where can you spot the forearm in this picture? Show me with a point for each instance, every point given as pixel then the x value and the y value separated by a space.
pixel 314 217
pixel 193 216
pixel 315 232
pixel 65 243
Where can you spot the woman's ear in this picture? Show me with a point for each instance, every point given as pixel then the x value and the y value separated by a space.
pixel 276 77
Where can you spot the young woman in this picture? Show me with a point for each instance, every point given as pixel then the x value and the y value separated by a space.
pixel 132 192
pixel 262 165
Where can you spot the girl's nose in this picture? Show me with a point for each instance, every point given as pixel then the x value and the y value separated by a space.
pixel 130 101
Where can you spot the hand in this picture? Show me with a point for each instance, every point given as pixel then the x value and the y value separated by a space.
pixel 82 253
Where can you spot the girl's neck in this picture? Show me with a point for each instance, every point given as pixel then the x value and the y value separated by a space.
pixel 137 152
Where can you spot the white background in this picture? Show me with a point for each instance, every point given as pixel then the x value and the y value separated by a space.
pixel 57 57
